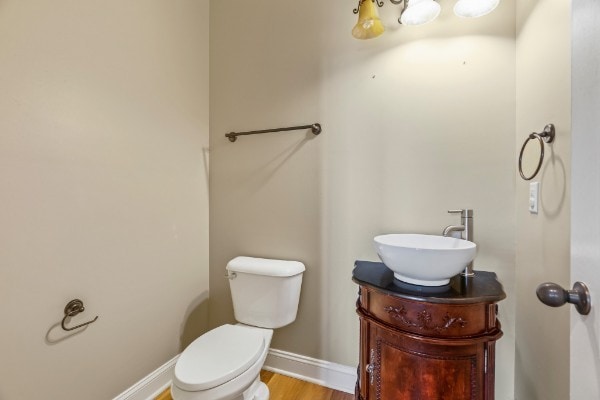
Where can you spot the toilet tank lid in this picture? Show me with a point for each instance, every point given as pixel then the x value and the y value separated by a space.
pixel 265 266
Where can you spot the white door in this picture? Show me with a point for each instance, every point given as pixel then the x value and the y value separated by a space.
pixel 585 200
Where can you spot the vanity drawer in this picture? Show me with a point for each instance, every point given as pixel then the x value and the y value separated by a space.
pixel 430 319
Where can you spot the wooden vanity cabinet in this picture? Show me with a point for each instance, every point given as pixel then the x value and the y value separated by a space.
pixel 423 346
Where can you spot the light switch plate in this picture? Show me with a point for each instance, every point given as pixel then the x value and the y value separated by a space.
pixel 534 193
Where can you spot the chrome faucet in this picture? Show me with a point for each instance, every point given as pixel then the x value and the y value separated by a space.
pixel 466 227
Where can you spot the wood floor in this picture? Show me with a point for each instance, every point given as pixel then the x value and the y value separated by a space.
pixel 286 388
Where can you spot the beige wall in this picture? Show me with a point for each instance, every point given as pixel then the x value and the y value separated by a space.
pixel 543 96
pixel 103 190
pixel 416 122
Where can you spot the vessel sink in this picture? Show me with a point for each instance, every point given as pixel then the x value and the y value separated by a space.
pixel 425 260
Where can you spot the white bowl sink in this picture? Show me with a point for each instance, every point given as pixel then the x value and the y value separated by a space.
pixel 425 260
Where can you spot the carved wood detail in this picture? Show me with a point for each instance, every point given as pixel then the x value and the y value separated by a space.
pixel 378 371
pixel 424 319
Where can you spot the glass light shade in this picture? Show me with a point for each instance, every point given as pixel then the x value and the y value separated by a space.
pixel 420 12
pixel 474 8
pixel 369 25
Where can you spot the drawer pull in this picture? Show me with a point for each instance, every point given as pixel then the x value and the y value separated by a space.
pixel 424 318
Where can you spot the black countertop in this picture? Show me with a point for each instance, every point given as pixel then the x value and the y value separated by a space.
pixel 483 287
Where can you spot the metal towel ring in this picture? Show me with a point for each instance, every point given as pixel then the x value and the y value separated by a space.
pixel 73 308
pixel 546 136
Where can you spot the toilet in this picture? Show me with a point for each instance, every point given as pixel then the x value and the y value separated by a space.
pixel 225 363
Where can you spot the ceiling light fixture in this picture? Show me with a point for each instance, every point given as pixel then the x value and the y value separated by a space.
pixel 474 8
pixel 419 12
pixel 369 25
pixel 414 12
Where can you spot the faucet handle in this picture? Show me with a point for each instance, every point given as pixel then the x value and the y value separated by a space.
pixel 464 213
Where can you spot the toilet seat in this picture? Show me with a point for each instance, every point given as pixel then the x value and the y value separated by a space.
pixel 218 356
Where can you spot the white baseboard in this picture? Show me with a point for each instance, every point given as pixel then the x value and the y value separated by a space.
pixel 323 373
pixel 152 385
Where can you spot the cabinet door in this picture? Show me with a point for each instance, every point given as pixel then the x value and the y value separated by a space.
pixel 411 368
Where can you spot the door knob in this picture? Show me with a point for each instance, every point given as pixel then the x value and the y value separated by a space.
pixel 554 295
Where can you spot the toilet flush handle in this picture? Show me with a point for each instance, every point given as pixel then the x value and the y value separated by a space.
pixel 231 275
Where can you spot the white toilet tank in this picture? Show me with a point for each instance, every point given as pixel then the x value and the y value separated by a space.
pixel 265 292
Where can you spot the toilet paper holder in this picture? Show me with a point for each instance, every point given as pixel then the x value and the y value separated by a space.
pixel 73 308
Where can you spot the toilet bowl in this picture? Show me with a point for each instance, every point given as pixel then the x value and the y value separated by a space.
pixel 225 363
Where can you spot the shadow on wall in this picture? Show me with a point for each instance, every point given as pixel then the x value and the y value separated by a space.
pixel 554 181
pixel 594 342
pixel 195 321
pixel 258 178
